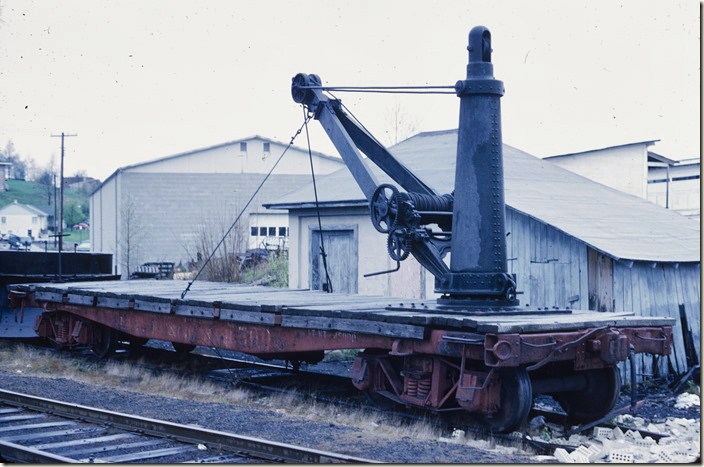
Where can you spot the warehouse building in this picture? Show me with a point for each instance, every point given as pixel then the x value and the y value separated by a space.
pixel 571 242
pixel 634 169
pixel 175 208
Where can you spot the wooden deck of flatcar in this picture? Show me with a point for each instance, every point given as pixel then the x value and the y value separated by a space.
pixel 310 309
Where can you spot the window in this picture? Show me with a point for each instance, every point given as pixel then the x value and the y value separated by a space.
pixel 282 231
pixel 4 220
pixel 243 147
pixel 35 219
pixel 267 147
pixel 262 231
pixel 272 231
pixel 254 232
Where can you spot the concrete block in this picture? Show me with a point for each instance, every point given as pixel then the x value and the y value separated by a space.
pixel 664 458
pixel 645 443
pixel 582 449
pixel 617 434
pixel 622 456
pixel 602 433
pixel 563 456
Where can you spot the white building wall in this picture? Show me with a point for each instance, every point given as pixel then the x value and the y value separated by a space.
pixel 106 202
pixel 684 189
pixel 623 168
pixel 268 230
pixel 104 218
pixel 18 220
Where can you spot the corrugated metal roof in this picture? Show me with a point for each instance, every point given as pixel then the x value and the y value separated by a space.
pixel 620 225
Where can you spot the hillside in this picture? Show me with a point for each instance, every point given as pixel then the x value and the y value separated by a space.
pixel 75 202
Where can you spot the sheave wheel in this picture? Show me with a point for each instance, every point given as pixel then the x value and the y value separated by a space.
pixel 106 343
pixel 516 401
pixel 596 400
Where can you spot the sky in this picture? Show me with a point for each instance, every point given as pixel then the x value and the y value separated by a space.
pixel 140 80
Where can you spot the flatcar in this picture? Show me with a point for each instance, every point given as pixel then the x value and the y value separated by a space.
pixel 473 350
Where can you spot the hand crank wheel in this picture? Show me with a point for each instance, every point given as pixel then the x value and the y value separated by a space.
pixel 382 207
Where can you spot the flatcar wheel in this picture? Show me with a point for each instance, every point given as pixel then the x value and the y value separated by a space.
pixel 596 400
pixel 515 403
pixel 105 344
pixel 183 349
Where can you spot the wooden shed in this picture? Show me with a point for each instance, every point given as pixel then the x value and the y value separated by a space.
pixel 570 241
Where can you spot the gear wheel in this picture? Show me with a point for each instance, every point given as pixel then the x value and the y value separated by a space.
pixel 398 245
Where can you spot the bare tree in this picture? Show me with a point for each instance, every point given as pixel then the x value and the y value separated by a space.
pixel 400 125
pixel 45 177
pixel 208 232
pixel 131 234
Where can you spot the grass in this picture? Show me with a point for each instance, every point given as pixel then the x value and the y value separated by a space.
pixel 29 361
pixel 272 273
pixel 75 236
pixel 26 192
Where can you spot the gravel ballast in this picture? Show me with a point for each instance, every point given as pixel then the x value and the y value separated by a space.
pixel 262 423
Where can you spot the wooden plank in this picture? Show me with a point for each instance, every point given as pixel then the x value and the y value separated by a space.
pixel 243 316
pixel 618 286
pixel 48 296
pixel 111 302
pixel 152 305
pixel 691 289
pixel 350 325
pixel 607 320
pixel 80 299
pixel 679 355
pixel 522 251
pixel 196 311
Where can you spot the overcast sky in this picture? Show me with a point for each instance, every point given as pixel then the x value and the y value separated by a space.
pixel 140 80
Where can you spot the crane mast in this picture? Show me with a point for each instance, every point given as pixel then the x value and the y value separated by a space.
pixel 470 221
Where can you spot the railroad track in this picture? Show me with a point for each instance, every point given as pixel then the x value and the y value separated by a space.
pixel 323 387
pixel 39 430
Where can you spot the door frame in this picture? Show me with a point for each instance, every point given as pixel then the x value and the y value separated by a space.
pixel 355 250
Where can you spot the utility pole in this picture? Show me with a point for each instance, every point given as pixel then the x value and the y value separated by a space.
pixel 55 210
pixel 61 200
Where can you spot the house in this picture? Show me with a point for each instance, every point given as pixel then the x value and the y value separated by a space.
pixel 634 169
pixel 571 241
pixel 177 208
pixel 23 220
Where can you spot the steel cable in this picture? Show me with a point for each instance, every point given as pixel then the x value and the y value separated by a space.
pixel 293 138
pixel 328 282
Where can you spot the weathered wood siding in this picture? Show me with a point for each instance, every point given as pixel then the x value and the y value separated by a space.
pixel 551 267
pixel 662 289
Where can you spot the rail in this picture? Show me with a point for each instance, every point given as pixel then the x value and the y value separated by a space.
pixel 189 437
